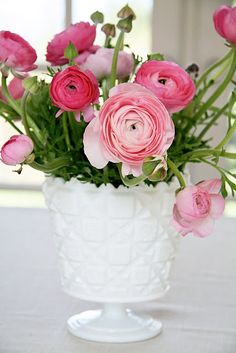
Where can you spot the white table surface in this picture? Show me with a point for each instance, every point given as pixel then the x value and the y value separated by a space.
pixel 198 313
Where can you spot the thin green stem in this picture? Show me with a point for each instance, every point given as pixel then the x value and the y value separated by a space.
pixel 52 166
pixel 219 90
pixel 213 67
pixel 212 121
pixel 227 136
pixel 209 153
pixel 11 123
pixel 176 172
pixel 24 116
pixel 8 97
pixel 115 59
pixel 66 130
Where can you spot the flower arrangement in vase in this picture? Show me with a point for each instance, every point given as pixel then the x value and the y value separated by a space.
pixel 113 133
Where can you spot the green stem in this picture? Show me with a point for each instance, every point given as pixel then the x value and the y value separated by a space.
pixel 212 121
pixel 115 59
pixel 52 166
pixel 219 90
pixel 176 172
pixel 209 153
pixel 213 67
pixel 8 97
pixel 66 131
pixel 227 136
pixel 11 123
pixel 24 116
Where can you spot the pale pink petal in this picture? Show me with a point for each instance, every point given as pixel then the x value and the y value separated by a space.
pixel 93 145
pixel 185 203
pixel 135 170
pixel 179 224
pixel 212 186
pixel 77 116
pixel 60 111
pixel 127 88
pixel 203 227
pixel 217 206
pixel 88 113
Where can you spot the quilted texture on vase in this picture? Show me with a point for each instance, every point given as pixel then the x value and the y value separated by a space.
pixel 114 245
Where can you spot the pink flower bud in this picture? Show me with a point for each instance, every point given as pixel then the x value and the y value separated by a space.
pixel 15 89
pixel 225 22
pixel 16 150
pixel 197 207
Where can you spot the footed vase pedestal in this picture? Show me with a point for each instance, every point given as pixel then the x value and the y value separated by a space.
pixel 115 246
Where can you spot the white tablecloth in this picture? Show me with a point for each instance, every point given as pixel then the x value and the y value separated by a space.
pixel 198 313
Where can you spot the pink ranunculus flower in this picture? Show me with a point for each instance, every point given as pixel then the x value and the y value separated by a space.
pixel 75 90
pixel 16 53
pixel 17 149
pixel 225 22
pixel 100 63
pixel 81 34
pixel 197 207
pixel 129 128
pixel 169 82
pixel 15 88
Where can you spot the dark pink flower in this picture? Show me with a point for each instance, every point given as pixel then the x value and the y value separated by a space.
pixel 16 53
pixel 17 149
pixel 169 82
pixel 225 22
pixel 75 90
pixel 81 34
pixel 197 207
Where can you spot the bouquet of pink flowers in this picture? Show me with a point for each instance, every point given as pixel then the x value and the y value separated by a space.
pixel 108 116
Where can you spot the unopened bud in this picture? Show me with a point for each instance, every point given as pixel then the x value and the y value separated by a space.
pixel 156 56
pixel 31 84
pixel 97 17
pixel 70 51
pixel 126 12
pixel 125 24
pixel 109 30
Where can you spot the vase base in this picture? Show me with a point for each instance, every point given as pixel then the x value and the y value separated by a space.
pixel 113 326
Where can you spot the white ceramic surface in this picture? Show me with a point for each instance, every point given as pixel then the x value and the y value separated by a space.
pixel 114 245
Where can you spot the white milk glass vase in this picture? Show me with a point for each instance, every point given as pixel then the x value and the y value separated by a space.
pixel 115 246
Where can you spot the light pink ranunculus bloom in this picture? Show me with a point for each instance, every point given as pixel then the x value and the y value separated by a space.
pixel 15 88
pixel 169 82
pixel 16 53
pixel 197 207
pixel 17 149
pixel 100 63
pixel 129 128
pixel 225 22
pixel 81 34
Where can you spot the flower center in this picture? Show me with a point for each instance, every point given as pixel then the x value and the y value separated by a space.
pixel 162 81
pixel 72 87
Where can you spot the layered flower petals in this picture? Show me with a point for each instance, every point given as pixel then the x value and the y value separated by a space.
pixel 169 82
pixel 130 128
pixel 16 150
pixel 74 90
pixel 81 34
pixel 100 63
pixel 16 53
pixel 197 207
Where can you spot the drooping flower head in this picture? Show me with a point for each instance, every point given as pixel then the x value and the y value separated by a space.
pixel 131 125
pixel 81 34
pixel 197 207
pixel 16 53
pixel 75 90
pixel 169 82
pixel 225 22
pixel 16 150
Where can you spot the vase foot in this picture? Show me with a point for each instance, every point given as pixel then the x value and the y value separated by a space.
pixel 114 326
